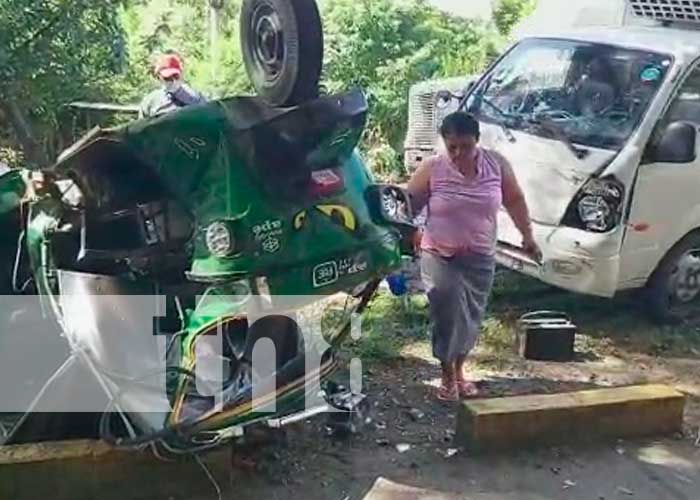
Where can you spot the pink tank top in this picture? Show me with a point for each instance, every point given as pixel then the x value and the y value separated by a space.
pixel 462 214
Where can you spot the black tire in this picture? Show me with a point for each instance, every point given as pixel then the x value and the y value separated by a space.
pixel 282 46
pixel 664 307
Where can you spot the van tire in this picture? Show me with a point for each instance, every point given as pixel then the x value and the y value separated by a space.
pixel 282 47
pixel 662 285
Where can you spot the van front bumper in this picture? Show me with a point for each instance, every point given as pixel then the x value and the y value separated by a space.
pixel 572 259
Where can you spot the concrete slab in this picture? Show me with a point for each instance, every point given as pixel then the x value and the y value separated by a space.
pixel 384 489
pixel 46 452
pixel 621 412
pixel 113 476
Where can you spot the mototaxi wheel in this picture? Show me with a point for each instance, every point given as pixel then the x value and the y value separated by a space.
pixel 282 46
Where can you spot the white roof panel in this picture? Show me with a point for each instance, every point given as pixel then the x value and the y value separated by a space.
pixel 680 43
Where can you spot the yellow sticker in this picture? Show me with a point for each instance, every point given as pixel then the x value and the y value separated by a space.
pixel 299 220
pixel 340 213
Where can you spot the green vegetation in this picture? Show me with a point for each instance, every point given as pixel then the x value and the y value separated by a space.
pixel 53 52
pixel 606 326
pixel 507 13
pixel 389 324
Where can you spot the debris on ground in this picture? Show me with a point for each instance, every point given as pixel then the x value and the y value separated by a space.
pixel 246 463
pixel 403 447
pixel 684 479
pixel 416 414
pixel 625 491
pixel 449 435
pixel 451 452
pixel 397 403
pixel 569 484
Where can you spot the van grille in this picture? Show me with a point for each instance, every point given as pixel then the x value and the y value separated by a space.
pixel 667 10
pixel 421 120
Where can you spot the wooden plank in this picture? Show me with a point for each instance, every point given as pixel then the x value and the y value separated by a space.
pixel 58 450
pixel 622 412
pixel 384 489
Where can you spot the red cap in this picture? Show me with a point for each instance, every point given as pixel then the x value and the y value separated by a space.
pixel 168 66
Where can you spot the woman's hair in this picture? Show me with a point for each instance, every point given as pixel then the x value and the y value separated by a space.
pixel 460 123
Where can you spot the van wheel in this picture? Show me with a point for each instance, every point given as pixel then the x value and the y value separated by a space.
pixel 674 288
pixel 282 45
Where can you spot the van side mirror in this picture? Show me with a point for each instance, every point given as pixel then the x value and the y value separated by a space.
pixel 677 144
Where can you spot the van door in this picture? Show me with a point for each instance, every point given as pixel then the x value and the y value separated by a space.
pixel 666 198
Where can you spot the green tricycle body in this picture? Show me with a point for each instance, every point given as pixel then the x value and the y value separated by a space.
pixel 209 208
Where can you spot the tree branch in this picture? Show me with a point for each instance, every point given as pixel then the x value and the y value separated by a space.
pixel 50 24
pixel 24 132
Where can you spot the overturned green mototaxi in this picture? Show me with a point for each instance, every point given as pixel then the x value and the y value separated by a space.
pixel 211 210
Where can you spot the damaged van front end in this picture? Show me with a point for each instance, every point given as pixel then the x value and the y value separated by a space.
pixel 572 115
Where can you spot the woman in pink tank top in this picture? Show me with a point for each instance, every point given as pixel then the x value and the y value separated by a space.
pixel 462 191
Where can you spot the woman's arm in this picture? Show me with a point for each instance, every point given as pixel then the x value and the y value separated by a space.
pixel 516 205
pixel 419 191
pixel 419 186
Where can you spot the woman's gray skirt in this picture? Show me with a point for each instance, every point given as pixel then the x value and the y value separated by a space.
pixel 458 289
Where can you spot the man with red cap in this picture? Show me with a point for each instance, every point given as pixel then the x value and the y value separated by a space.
pixel 174 93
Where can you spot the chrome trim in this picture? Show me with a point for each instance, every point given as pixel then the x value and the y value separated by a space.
pixel 516 260
pixel 277 423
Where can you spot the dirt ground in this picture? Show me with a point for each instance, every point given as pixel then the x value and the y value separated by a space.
pixel 410 439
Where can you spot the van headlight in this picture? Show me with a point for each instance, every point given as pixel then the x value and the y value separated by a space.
pixel 595 212
pixel 219 239
pixel 598 207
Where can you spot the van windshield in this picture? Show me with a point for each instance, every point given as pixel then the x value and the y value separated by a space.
pixel 593 94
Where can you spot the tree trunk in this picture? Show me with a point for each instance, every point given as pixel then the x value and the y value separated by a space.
pixel 33 151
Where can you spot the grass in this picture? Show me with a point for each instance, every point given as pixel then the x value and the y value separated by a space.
pixel 605 326
pixel 389 324
pixel 620 322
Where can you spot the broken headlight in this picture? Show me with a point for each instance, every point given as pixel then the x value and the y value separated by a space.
pixel 598 206
pixel 219 239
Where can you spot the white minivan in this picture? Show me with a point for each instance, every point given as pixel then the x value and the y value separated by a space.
pixel 601 127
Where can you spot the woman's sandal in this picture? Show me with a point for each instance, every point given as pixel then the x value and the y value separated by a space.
pixel 449 393
pixel 466 389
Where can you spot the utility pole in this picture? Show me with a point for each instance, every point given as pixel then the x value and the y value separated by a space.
pixel 215 8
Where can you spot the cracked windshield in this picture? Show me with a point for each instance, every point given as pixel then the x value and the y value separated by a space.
pixel 591 94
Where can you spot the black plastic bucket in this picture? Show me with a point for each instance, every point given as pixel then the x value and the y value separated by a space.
pixel 546 336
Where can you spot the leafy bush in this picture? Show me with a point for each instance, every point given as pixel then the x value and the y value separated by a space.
pixel 106 53
pixel 384 47
pixel 11 157
pixel 53 52
pixel 507 13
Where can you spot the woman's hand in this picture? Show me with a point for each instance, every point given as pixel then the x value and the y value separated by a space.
pixel 532 249
pixel 417 239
